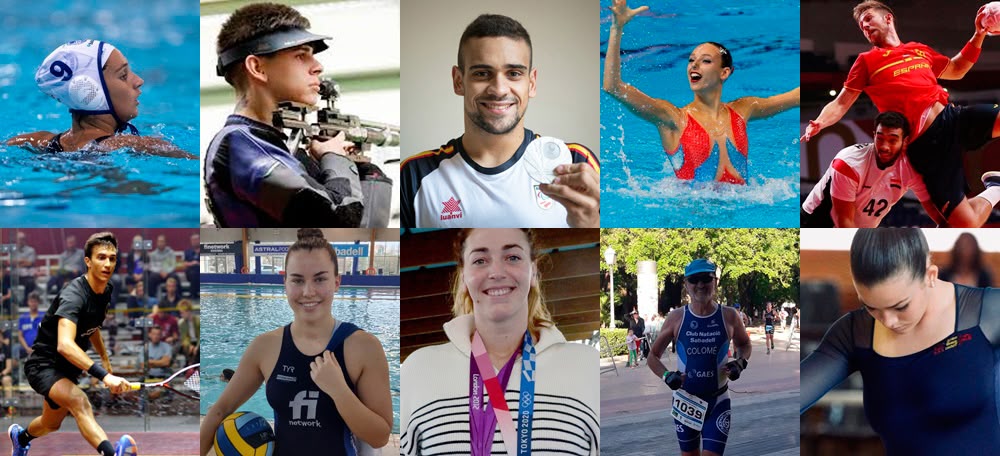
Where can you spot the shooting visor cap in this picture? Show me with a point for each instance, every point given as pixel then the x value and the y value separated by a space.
pixel 270 43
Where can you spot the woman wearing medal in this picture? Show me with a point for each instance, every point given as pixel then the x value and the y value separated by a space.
pixel 502 339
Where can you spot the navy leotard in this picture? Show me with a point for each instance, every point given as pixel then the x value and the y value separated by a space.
pixel 944 399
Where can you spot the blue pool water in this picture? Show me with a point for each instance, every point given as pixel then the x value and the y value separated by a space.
pixel 160 40
pixel 639 188
pixel 232 315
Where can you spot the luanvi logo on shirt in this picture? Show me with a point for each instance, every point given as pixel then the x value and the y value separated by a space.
pixel 452 209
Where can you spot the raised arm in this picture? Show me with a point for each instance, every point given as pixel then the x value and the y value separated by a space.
pixel 832 112
pixel 962 62
pixel 653 110
pixel 759 108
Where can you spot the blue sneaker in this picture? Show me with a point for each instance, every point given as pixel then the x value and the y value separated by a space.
pixel 991 178
pixel 16 449
pixel 126 446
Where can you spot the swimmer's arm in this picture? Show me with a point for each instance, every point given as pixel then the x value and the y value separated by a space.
pixel 759 108
pixel 667 334
pixel 144 144
pixel 828 365
pixel 369 413
pixel 37 139
pixel 660 112
pixel 245 382
pixel 832 112
pixel 843 213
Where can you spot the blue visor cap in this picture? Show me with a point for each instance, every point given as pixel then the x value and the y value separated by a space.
pixel 699 266
pixel 268 44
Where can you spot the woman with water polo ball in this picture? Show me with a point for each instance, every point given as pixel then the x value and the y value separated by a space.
pixel 95 81
pixel 707 139
pixel 505 367
pixel 926 350
pixel 327 381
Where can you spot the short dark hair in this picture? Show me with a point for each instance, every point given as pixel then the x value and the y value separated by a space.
pixel 727 56
pixel 38 297
pixel 253 21
pixel 103 238
pixel 880 253
pixel 893 119
pixel 228 374
pixel 866 5
pixel 312 239
pixel 494 26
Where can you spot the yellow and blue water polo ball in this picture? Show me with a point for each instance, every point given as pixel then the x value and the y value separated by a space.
pixel 244 434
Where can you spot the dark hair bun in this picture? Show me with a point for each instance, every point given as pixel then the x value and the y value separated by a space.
pixel 307 233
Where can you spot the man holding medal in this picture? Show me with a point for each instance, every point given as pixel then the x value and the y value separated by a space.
pixel 702 330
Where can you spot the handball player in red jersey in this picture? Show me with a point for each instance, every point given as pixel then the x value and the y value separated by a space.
pixel 903 77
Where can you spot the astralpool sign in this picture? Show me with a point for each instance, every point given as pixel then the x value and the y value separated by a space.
pixel 343 250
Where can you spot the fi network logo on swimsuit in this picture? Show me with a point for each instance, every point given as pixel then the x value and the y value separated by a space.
pixel 304 400
pixel 452 209
pixel 952 342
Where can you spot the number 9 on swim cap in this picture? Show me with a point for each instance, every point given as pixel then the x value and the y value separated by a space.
pixel 244 434
pixel 543 155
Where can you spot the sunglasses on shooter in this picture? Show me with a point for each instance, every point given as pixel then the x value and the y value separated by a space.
pixel 704 277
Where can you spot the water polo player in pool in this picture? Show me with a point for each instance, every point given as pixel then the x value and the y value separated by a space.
pixel 926 350
pixel 327 380
pixel 707 139
pixel 95 81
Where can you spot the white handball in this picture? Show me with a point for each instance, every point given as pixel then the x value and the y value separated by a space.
pixel 989 18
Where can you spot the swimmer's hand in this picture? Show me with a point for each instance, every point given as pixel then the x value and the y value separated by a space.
pixel 811 131
pixel 336 145
pixel 325 372
pixel 578 188
pixel 36 140
pixel 623 13
pixel 117 384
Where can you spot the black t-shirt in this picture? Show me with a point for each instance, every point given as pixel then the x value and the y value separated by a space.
pixel 78 303
pixel 770 316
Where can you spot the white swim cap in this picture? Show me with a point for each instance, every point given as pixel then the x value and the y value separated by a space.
pixel 72 75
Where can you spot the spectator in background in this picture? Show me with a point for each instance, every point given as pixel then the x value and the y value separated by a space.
pixel 638 327
pixel 192 265
pixel 70 266
pixel 171 296
pixel 967 267
pixel 190 328
pixel 24 264
pixel 6 369
pixel 162 263
pixel 138 302
pixel 166 322
pixel 136 262
pixel 27 324
pixel 160 353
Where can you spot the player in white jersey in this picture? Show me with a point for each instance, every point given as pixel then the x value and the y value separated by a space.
pixel 865 180
pixel 480 179
pixel 445 188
